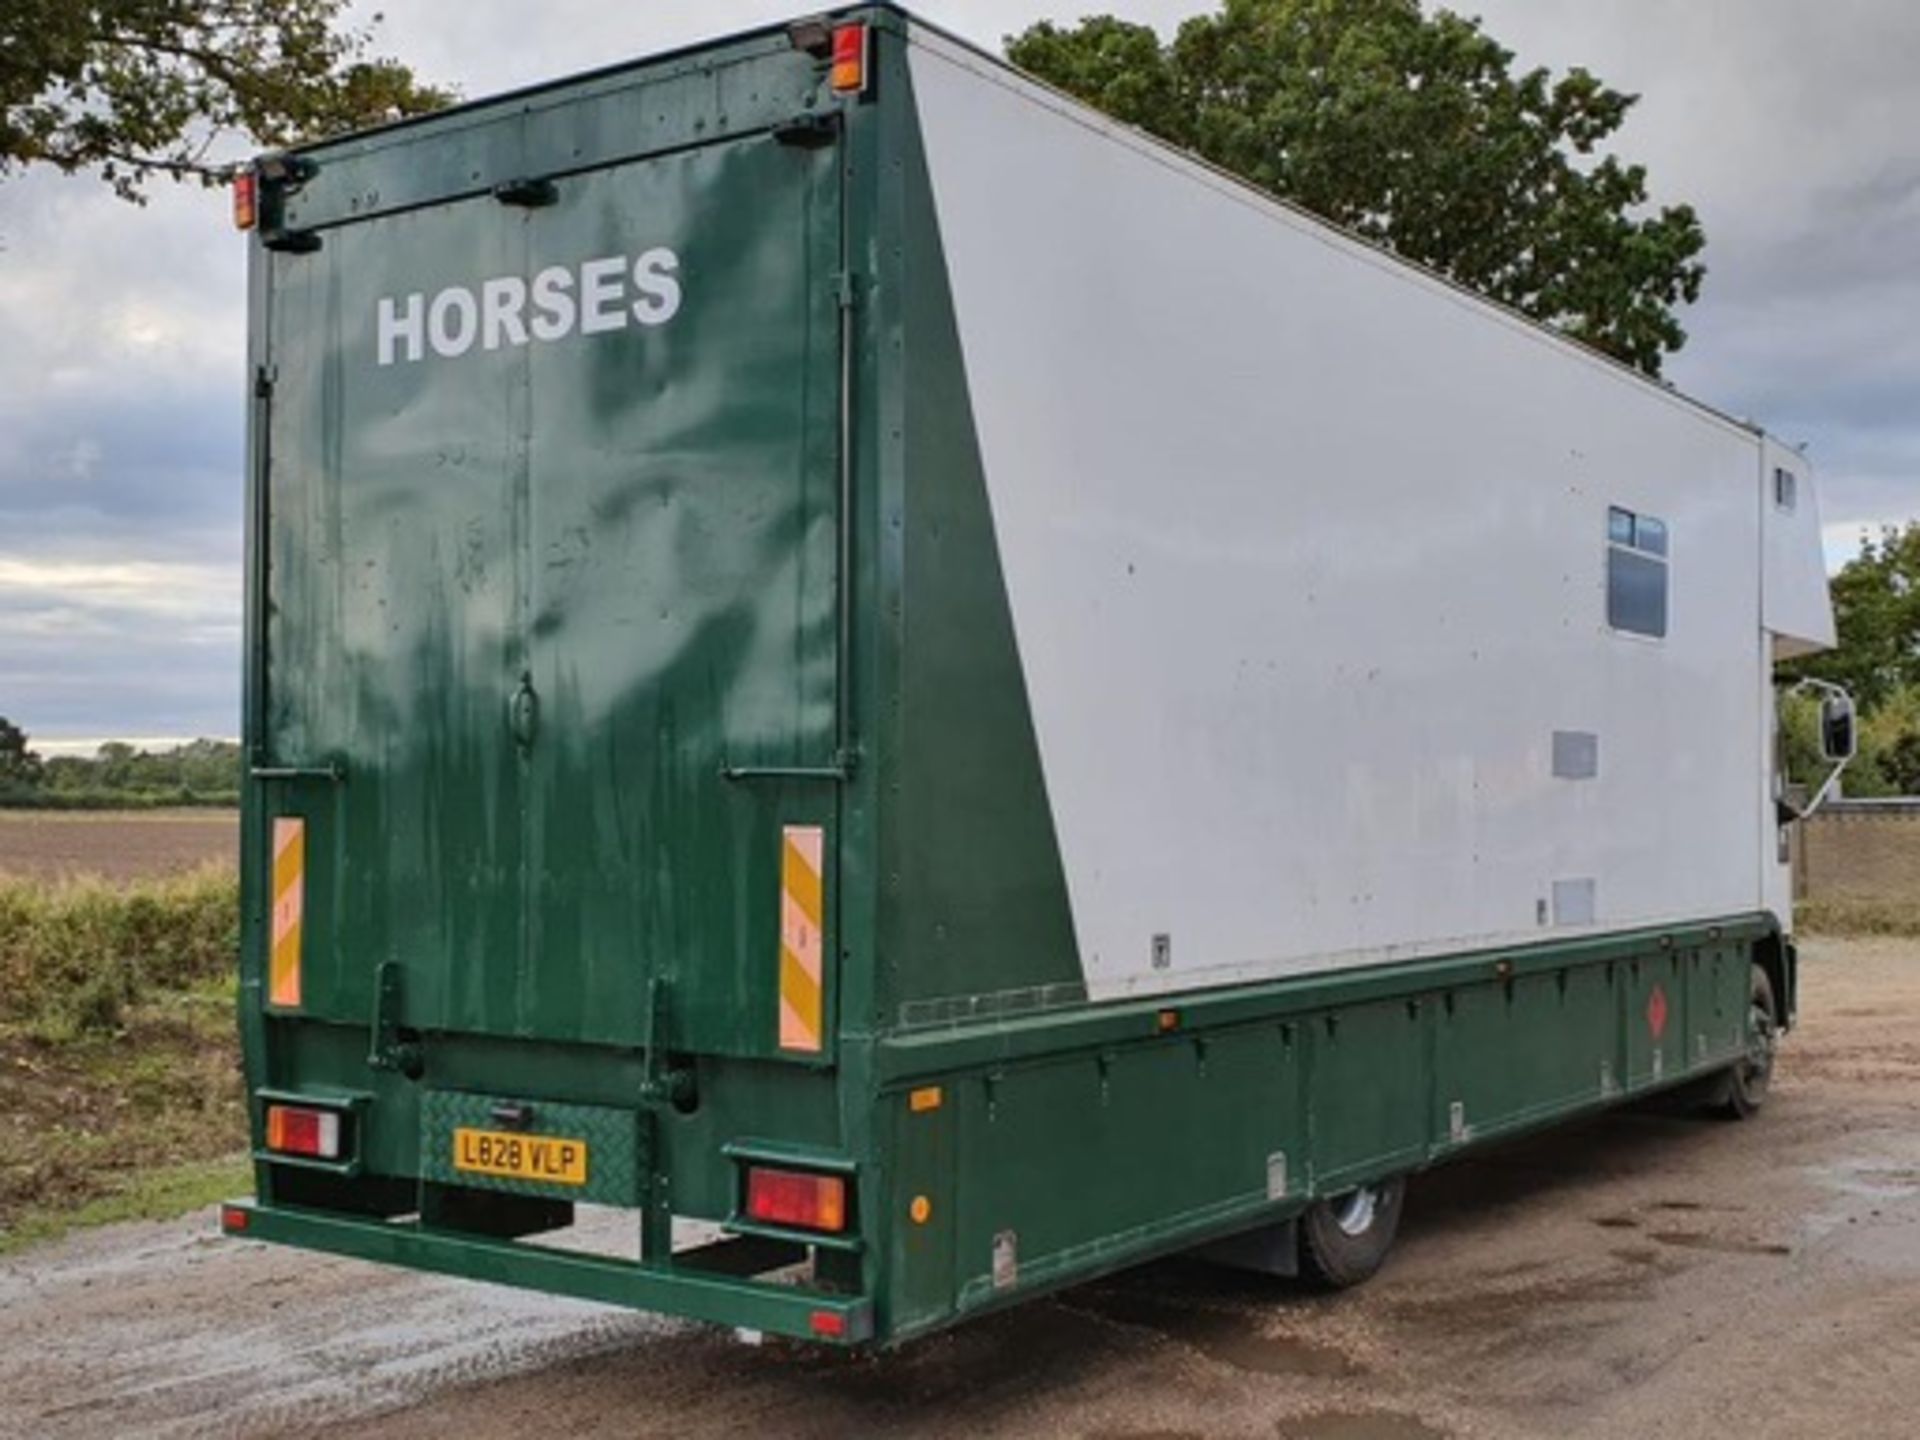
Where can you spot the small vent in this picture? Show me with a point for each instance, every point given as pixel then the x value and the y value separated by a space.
pixel 1576 754
pixel 1573 901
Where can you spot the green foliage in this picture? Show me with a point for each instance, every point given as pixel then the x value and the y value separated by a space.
pixel 74 956
pixel 1876 607
pixel 134 88
pixel 1888 759
pixel 18 765
pixel 1414 132
pixel 119 777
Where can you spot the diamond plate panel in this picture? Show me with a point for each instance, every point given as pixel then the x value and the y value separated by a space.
pixel 616 1152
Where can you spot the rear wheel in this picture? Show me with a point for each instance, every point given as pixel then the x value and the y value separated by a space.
pixel 1748 1080
pixel 1344 1239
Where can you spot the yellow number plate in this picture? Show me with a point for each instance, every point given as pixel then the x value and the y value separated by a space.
pixel 548 1159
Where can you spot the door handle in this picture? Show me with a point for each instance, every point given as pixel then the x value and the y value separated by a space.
pixel 523 713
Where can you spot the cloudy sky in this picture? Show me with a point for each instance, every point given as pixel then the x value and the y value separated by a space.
pixel 1792 127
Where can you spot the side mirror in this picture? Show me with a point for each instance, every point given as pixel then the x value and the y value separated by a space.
pixel 1839 735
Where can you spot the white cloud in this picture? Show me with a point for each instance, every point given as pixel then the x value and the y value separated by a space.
pixel 184 592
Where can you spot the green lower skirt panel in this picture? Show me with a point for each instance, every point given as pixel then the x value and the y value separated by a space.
pixel 1139 1128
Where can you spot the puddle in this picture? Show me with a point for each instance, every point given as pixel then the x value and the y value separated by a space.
pixel 1230 1337
pixel 1274 1355
pixel 1863 1190
pixel 1690 1240
pixel 1871 1180
pixel 1360 1425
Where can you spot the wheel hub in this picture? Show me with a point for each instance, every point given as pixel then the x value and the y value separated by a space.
pixel 1353 1212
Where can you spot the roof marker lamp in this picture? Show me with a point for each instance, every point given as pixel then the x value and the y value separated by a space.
pixel 246 199
pixel 852 49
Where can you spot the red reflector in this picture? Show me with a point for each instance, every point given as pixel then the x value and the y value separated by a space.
pixel 295 1131
pixel 785 1197
pixel 245 200
pixel 849 73
pixel 233 1219
pixel 828 1324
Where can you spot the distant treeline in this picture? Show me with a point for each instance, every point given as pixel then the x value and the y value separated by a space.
pixel 117 776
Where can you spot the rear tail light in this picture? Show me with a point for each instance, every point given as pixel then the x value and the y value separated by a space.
pixel 828 1324
pixel 850 52
pixel 246 200
pixel 797 1200
pixel 292 1130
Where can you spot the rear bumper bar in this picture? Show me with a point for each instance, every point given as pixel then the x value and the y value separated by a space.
pixel 717 1299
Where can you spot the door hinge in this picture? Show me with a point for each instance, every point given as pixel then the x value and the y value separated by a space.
pixel 662 1083
pixel 809 132
pixel 529 193
pixel 392 1048
pixel 263 381
pixel 844 289
pixel 292 242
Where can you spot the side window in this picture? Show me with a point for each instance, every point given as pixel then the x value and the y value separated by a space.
pixel 1636 573
pixel 1784 489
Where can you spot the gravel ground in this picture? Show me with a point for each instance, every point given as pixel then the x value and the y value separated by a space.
pixel 1640 1275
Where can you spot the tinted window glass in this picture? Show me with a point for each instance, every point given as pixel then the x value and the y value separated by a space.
pixel 1636 592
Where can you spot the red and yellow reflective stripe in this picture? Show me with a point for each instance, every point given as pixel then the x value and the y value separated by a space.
pixel 289 899
pixel 802 953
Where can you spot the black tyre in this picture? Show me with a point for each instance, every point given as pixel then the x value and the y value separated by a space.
pixel 1747 1082
pixel 1344 1239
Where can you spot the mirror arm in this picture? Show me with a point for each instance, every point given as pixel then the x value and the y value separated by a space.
pixel 1831 690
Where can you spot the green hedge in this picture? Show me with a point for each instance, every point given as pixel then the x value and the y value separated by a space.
pixel 75 954
pixel 28 798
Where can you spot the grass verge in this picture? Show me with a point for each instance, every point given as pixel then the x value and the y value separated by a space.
pixel 142 1122
pixel 150 1195
pixel 1844 915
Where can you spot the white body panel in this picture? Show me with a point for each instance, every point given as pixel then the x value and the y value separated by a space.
pixel 1795 605
pixel 1306 554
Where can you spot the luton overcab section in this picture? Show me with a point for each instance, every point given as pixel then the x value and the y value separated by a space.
pixel 869 694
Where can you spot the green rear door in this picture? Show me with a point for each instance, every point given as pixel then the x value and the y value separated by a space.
pixel 544 561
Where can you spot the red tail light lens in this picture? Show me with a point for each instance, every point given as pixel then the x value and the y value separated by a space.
pixel 294 1131
pixel 803 1202
pixel 849 73
pixel 246 199
pixel 828 1324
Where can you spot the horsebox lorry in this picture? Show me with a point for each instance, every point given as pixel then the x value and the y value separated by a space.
pixel 926 698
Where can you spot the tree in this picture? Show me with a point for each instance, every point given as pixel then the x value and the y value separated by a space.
pixel 1876 609
pixel 19 765
pixel 135 88
pixel 1414 132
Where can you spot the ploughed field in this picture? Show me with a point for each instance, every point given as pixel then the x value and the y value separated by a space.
pixel 1641 1274
pixel 115 844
